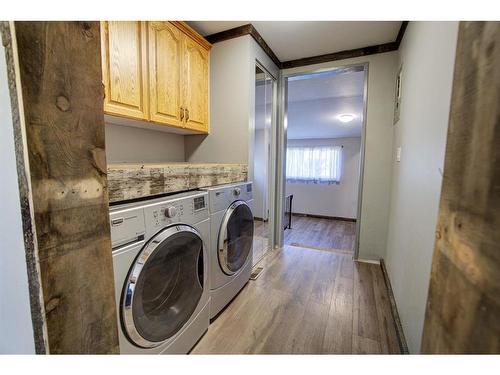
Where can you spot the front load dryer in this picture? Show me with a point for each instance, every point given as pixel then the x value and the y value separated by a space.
pixel 231 233
pixel 161 264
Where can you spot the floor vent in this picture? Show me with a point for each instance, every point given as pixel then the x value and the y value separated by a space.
pixel 256 273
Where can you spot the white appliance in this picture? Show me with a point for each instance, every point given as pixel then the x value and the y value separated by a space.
pixel 161 264
pixel 231 223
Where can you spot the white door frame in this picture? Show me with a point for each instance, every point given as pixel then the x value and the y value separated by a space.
pixel 281 143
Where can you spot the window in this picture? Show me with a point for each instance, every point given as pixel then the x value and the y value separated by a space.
pixel 313 164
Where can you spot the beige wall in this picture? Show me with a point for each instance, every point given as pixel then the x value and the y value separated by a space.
pixel 427 55
pixel 136 145
pixel 232 104
pixel 229 97
pixel 378 149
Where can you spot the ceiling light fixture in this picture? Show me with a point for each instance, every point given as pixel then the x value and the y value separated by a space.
pixel 346 117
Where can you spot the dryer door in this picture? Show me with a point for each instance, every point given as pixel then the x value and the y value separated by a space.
pixel 164 286
pixel 235 237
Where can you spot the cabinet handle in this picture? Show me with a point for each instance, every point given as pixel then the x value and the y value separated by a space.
pixel 187 114
pixel 182 113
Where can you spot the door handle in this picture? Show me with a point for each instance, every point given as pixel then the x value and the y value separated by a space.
pixel 182 113
pixel 187 114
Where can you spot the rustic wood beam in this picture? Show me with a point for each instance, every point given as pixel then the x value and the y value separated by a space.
pixel 463 305
pixel 60 73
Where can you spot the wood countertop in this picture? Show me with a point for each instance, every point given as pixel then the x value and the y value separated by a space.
pixel 135 180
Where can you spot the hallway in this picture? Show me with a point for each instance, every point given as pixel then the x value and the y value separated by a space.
pixel 306 301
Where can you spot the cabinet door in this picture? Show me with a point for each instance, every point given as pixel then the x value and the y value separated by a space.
pixel 165 53
pixel 124 67
pixel 195 85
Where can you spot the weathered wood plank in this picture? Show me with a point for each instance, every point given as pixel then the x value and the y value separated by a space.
pixel 64 118
pixel 132 181
pixel 463 305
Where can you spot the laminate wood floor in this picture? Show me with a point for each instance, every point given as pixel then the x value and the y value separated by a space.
pixel 260 240
pixel 322 233
pixel 306 301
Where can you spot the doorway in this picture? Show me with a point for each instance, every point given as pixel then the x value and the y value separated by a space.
pixel 265 85
pixel 323 153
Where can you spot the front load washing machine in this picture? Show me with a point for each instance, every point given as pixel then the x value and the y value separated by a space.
pixel 161 264
pixel 231 233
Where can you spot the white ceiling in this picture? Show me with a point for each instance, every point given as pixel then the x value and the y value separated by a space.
pixel 292 40
pixel 315 101
pixel 317 118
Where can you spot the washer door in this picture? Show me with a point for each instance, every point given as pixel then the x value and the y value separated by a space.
pixel 164 286
pixel 235 237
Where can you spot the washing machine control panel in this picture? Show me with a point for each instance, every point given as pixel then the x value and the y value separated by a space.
pixel 167 214
pixel 170 211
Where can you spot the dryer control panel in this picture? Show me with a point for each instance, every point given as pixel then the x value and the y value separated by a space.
pixel 221 197
pixel 188 211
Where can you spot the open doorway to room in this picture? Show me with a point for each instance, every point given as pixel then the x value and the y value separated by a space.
pixel 262 166
pixel 324 148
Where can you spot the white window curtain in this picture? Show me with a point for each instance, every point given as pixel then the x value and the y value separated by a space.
pixel 316 165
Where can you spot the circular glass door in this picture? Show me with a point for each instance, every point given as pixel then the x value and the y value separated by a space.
pixel 235 237
pixel 164 286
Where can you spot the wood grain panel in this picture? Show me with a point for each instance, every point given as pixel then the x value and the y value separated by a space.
pixel 165 43
pixel 63 110
pixel 125 68
pixel 132 181
pixel 195 86
pixel 463 304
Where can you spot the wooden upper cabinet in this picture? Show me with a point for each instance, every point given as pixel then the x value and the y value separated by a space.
pixel 124 66
pixel 196 86
pixel 156 71
pixel 165 72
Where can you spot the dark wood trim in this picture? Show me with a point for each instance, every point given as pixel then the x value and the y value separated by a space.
pixel 262 43
pixel 249 29
pixel 401 33
pixel 349 54
pixel 341 55
pixel 325 217
pixel 230 34
pixel 394 310
pixel 243 30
